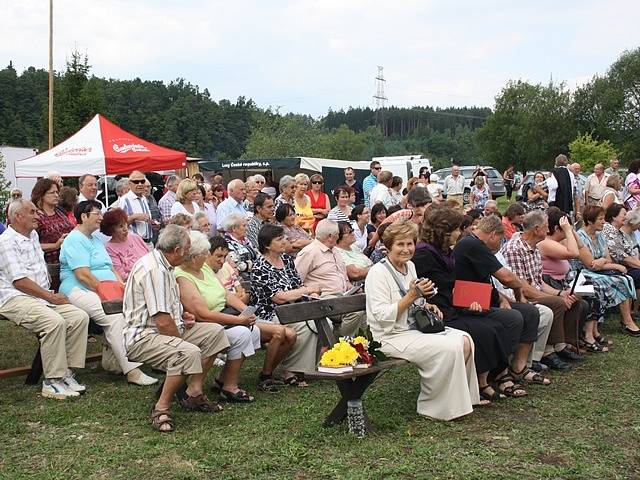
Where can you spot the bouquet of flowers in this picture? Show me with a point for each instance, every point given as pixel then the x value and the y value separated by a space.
pixel 357 351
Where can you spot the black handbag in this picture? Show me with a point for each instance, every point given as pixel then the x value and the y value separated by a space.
pixel 426 321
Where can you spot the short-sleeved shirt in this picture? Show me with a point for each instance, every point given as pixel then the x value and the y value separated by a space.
pixel 209 287
pixel 474 262
pixel 20 257
pixel 80 251
pixel 338 215
pixel 354 257
pixel 322 267
pixel 523 260
pixel 151 289
pixel 267 281
pixel 254 225
pixel 227 207
pixel 165 204
pixel 132 204
pixel 367 185
pixel 50 229
pixel 125 254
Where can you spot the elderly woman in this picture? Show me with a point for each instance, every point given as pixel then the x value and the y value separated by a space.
pixel 84 265
pixel 618 288
pixel 201 223
pixel 480 193
pixel 359 220
pixel 433 259
pixel 611 193
pixel 251 189
pixel 342 210
pixel 287 187
pixel 205 205
pixel 275 281
pixel 296 237
pixel 395 192
pixel 124 248
pixel 67 200
pixel 320 204
pixel 618 231
pixel 302 203
pixel 53 224
pixel 241 253
pixel 182 220
pixel 259 180
pixel 536 194
pixel 449 385
pixel 632 186
pixel 357 263
pixel 186 197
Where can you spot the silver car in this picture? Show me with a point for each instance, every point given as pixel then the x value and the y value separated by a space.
pixel 494 180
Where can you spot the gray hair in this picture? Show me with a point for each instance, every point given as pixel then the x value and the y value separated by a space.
pixel 199 243
pixel 51 174
pixel 259 178
pixel 632 218
pixel 285 182
pixel 196 218
pixel 121 184
pixel 172 236
pixel 232 220
pixel 614 180
pixel 562 160
pixel 325 228
pixel 15 206
pixel 172 180
pixel 490 224
pixel 532 219
pixel 235 183
pixel 490 202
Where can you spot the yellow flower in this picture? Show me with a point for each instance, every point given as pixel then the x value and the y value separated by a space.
pixel 362 340
pixel 342 353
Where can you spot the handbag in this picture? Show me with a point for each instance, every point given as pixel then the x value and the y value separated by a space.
pixel 109 290
pixel 426 321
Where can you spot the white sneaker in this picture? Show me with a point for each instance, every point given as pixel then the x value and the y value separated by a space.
pixel 72 384
pixel 138 377
pixel 57 389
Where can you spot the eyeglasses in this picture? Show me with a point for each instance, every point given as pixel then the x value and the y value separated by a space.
pixel 377 168
pixel 317 182
pixel 137 182
pixel 96 213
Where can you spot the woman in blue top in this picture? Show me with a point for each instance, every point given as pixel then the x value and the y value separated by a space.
pixel 84 263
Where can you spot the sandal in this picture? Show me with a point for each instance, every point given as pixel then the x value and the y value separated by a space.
pixel 515 390
pixel 163 425
pixel 490 397
pixel 602 340
pixel 267 383
pixel 239 397
pixel 217 385
pixel 529 376
pixel 596 347
pixel 295 381
pixel 200 403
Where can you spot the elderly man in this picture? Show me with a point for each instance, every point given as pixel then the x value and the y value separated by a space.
pixel 561 186
pixel 595 185
pixel 454 186
pixel 381 192
pixel 321 268
pixel 490 208
pixel 169 198
pixel 370 182
pixel 264 213
pixel 350 181
pixel 122 188
pixel 232 204
pixel 88 190
pixel 614 168
pixel 136 206
pixel 160 334
pixel 26 299
pixel 475 261
pixel 523 257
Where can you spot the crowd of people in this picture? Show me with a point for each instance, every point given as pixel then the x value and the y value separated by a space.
pixel 201 271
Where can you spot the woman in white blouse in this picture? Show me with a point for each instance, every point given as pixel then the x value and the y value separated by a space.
pixel 186 196
pixel 449 385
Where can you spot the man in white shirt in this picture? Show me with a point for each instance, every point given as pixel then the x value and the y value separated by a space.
pixel 380 193
pixel 88 189
pixel 135 204
pixel 454 186
pixel 561 185
pixel 233 204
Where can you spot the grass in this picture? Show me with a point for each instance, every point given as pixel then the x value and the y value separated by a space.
pixel 585 425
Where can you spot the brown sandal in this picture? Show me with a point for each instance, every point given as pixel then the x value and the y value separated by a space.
pixel 200 403
pixel 160 423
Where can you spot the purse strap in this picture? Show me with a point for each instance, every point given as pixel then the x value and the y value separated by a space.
pixel 403 290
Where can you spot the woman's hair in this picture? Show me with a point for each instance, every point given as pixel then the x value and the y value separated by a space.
pixel 343 229
pixel 342 189
pixel 479 181
pixel 467 221
pixel 612 212
pixel 514 210
pixel 232 221
pixel 412 183
pixel 111 219
pixel 399 230
pixel 316 177
pixel 536 174
pixel 285 182
pixel 283 211
pixel 357 210
pixel 634 166
pixel 218 187
pixel 554 214
pixel 199 243
pixel 180 219
pixel 632 218
pixel 67 198
pixel 614 181
pixel 185 186
pixel 591 214
pixel 85 207
pixel 41 187
pixel 439 224
pixel 195 223
pixel 301 177
pixel 267 234
pixel 376 209
pixel 393 209
pixel 395 181
pixel 216 242
pixel 203 191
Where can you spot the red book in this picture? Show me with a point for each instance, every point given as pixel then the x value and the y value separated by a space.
pixel 465 293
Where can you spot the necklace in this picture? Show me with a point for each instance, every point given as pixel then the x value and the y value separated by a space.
pixel 401 273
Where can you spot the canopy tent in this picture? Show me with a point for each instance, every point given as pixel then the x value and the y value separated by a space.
pixel 285 163
pixel 101 148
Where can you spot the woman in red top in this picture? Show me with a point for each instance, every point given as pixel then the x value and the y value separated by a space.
pixel 53 224
pixel 512 220
pixel 320 205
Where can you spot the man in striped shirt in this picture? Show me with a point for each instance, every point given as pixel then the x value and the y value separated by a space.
pixel 160 334
pixel 371 181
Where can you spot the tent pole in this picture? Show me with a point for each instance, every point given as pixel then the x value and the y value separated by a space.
pixel 106 191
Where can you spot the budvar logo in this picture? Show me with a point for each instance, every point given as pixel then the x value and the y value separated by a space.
pixel 73 151
pixel 129 147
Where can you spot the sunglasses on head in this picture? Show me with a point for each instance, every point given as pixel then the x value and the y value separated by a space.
pixel 137 182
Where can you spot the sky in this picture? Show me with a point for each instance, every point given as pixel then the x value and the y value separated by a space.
pixel 309 56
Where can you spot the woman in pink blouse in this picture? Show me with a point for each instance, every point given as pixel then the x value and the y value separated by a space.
pixel 124 248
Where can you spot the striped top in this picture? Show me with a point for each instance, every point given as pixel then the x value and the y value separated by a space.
pixel 151 289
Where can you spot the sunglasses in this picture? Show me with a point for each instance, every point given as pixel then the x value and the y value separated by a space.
pixel 137 182
pixel 377 168
pixel 317 182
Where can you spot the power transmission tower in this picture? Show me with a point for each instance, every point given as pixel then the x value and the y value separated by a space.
pixel 381 100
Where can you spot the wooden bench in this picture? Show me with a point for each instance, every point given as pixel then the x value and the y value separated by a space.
pixel 352 385
pixel 34 372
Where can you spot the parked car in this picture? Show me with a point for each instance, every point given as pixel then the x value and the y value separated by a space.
pixel 494 179
pixel 528 179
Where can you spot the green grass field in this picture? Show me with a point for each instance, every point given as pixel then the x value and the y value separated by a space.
pixel 585 425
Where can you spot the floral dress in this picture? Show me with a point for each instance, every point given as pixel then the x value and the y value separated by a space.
pixel 480 196
pixel 242 255
pixel 267 280
pixel 611 288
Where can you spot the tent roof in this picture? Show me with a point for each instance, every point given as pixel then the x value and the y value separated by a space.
pixel 101 147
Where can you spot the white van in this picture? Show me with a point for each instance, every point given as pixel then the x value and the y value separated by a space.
pixel 404 166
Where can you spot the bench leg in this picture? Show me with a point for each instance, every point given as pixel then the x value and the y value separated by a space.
pixel 33 378
pixel 351 389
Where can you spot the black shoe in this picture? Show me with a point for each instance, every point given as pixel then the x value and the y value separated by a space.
pixel 567 354
pixel 538 366
pixel 554 363
pixel 627 331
